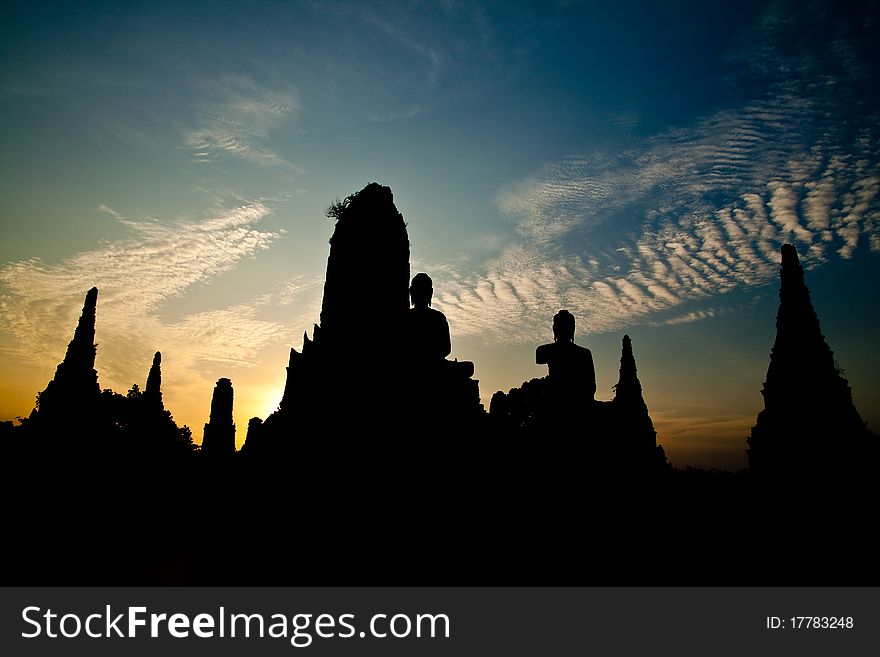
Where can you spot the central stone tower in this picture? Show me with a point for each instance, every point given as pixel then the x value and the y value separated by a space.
pixel 366 289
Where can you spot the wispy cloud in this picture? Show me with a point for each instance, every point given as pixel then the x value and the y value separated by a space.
pixel 237 117
pixel 396 60
pixel 136 278
pixel 689 214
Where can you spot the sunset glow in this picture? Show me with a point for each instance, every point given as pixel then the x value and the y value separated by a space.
pixel 639 165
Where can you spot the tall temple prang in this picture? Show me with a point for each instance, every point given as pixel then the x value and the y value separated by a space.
pixel 809 427
pixel 628 388
pixel 74 388
pixel 219 437
pixel 365 301
pixel 367 284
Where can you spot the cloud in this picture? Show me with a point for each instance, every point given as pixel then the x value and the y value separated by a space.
pixel 237 117
pixel 693 316
pixel 687 215
pixel 286 291
pixel 136 278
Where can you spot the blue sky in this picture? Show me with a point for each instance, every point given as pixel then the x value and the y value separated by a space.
pixel 637 163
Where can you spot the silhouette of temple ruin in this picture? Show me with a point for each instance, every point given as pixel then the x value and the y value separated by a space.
pixel 355 373
pixel 72 395
pixel 634 427
pixel 618 434
pixel 153 390
pixel 144 425
pixel 82 426
pixel 219 437
pixel 809 428
pixel 381 448
pixel 375 363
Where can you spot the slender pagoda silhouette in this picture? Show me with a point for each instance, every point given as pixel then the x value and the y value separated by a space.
pixel 153 391
pixel 219 437
pixel 74 390
pixel 634 426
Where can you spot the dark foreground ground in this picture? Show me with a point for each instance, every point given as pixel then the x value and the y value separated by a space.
pixel 391 515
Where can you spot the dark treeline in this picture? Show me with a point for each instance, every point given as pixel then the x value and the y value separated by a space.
pixel 382 466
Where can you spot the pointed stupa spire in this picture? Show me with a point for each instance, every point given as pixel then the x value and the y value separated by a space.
pixel 75 384
pixel 81 350
pixel 153 391
pixel 802 368
pixel 84 336
pixel 628 390
pixel 808 414
pixel 799 341
pixel 636 436
pixel 628 385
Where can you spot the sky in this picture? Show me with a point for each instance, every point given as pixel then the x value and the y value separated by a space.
pixel 637 163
